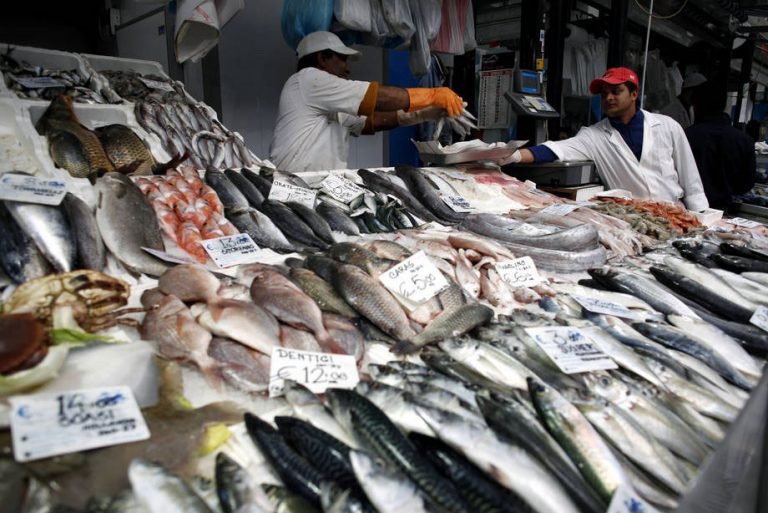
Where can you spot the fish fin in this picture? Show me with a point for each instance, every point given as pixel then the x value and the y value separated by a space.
pixel 130 168
pixel 160 168
pixel 404 347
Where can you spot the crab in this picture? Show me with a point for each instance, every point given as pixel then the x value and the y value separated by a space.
pixel 93 298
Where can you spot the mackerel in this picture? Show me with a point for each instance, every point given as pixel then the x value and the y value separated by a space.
pixel 307 406
pixel 388 490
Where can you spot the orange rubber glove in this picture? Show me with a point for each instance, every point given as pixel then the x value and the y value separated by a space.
pixel 442 97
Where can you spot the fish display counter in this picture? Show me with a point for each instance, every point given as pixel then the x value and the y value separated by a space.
pixel 212 334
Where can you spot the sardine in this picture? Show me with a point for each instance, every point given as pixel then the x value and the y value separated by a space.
pixel 91 253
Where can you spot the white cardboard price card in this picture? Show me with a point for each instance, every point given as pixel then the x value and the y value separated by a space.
pixel 744 223
pixel 341 188
pixel 285 192
pixel 30 189
pixel 457 203
pixel 572 350
pixel 520 272
pixel 232 250
pixel 39 82
pixel 561 209
pixel 415 279
pixel 601 306
pixel 155 84
pixel 44 425
pixel 760 318
pixel 316 371
pixel 626 500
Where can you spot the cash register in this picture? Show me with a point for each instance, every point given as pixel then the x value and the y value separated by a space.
pixel 527 102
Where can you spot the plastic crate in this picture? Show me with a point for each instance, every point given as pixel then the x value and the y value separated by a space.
pixel 15 127
pixel 49 59
pixel 104 63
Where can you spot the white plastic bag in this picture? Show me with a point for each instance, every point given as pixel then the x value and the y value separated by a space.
pixel 379 27
pixel 426 15
pixel 353 14
pixel 398 16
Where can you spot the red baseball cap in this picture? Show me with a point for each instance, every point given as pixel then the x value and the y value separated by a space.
pixel 613 76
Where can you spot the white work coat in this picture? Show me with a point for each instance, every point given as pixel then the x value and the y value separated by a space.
pixel 666 171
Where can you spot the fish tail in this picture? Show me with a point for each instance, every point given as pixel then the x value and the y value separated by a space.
pixel 130 168
pixel 404 347
pixel 161 168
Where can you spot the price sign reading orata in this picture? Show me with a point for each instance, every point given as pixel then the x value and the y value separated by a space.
pixel 285 192
pixel 415 279
pixel 457 203
pixel 44 425
pixel 232 250
pixel 626 500
pixel 760 318
pixel 744 223
pixel 520 272
pixel 571 349
pixel 39 82
pixel 316 371
pixel 341 188
pixel 601 306
pixel 30 189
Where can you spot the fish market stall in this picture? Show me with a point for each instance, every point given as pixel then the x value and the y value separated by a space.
pixel 186 327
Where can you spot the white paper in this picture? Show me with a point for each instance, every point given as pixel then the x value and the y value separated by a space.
pixel 317 371
pixel 232 250
pixel 341 188
pixel 285 192
pixel 155 84
pixel 572 350
pixel 527 229
pixel 626 500
pixel 563 209
pixel 601 306
pixel 760 318
pixel 30 189
pixel 416 279
pixel 44 425
pixel 520 272
pixel 39 82
pixel 744 223
pixel 457 203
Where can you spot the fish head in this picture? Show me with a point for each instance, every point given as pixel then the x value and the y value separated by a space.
pixel 297 394
pixel 604 385
pixel 460 348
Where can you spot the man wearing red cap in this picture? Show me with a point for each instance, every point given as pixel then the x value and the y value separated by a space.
pixel 633 149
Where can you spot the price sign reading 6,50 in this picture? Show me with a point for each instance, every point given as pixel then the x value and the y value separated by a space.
pixel 415 279
pixel 44 425
pixel 520 272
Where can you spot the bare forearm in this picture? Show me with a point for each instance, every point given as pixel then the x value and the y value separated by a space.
pixel 385 121
pixel 391 99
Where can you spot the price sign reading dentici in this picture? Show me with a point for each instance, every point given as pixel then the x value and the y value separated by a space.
pixel 232 250
pixel 317 371
pixel 415 279
pixel 457 203
pixel 44 425
pixel 30 189
pixel 571 349
pixel 285 192
pixel 341 188
pixel 520 272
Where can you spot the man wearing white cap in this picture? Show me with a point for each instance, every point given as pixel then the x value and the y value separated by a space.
pixel 681 108
pixel 320 108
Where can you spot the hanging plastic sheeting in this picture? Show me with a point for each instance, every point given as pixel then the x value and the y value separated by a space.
pixel 399 18
pixel 353 14
pixel 457 20
pixel 198 26
pixel 302 17
pixel 426 15
pixel 380 29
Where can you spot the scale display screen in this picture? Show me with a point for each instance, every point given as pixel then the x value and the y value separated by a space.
pixel 527 81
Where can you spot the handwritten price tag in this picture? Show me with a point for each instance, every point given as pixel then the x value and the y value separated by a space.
pixel 44 425
pixel 232 250
pixel 744 223
pixel 30 189
pixel 571 349
pixel 563 209
pixel 760 318
pixel 154 84
pixel 626 500
pixel 341 188
pixel 600 306
pixel 317 371
pixel 457 203
pixel 520 272
pixel 415 279
pixel 285 192
pixel 39 82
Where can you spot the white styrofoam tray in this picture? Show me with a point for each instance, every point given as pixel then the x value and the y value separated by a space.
pixel 104 63
pixel 15 125
pixel 49 59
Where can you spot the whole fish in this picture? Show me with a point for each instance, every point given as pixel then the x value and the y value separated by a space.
pixel 743 251
pixel 49 228
pixel 393 401
pixel 91 253
pixel 250 191
pixel 243 368
pixel 337 219
pixel 242 321
pixel 489 361
pixel 322 266
pixel 235 487
pixel 346 334
pixel 463 373
pixel 314 220
pixel 372 301
pixel 190 283
pixel 579 238
pixel 261 229
pixel 740 264
pixel 561 261
pixel 369 423
pixel 378 183
pixel 749 289
pixel 355 254
pixel 389 491
pixel 127 151
pixel 427 194
pixel 307 406
pixel 228 193
pixel 259 181
pixel 753 338
pixel 19 256
pixel 322 292
pixel 291 224
pixel 452 322
pixel 127 223
pixel 161 491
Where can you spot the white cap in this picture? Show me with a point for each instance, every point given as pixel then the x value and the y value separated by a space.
pixel 318 41
pixel 693 80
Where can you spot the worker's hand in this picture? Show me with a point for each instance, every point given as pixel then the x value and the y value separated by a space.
pixel 420 116
pixel 512 159
pixel 442 97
